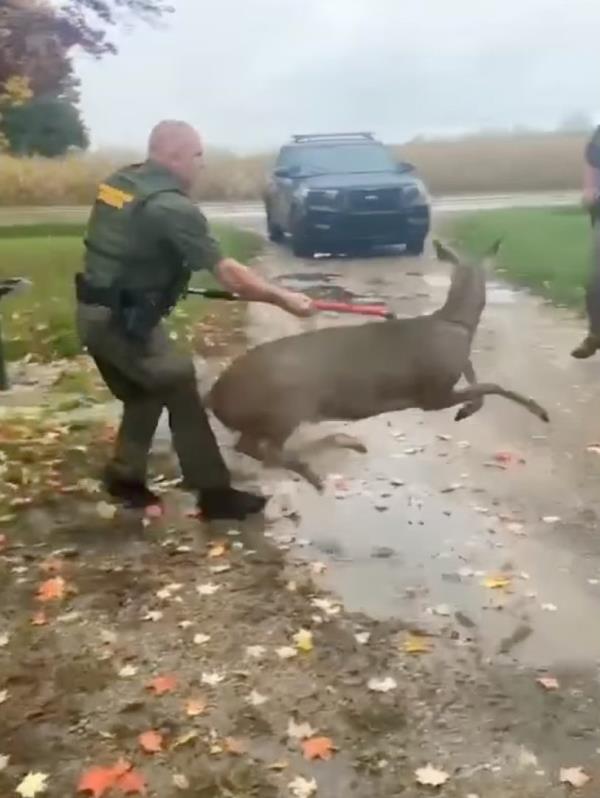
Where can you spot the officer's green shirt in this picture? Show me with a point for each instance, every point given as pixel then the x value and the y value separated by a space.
pixel 592 151
pixel 145 227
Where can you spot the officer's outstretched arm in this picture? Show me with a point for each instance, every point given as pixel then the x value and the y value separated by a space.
pixel 248 285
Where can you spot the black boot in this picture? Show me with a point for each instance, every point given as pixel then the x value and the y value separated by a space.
pixel 588 347
pixel 131 493
pixel 221 503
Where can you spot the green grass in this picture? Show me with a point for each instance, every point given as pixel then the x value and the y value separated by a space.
pixel 546 249
pixel 40 322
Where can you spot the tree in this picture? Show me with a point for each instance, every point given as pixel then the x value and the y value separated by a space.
pixel 48 127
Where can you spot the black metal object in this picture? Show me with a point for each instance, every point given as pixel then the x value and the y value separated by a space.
pixel 13 285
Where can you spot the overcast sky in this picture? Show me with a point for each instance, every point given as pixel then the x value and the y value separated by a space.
pixel 250 72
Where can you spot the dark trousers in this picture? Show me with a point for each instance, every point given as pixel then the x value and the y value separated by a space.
pixel 149 377
pixel 593 287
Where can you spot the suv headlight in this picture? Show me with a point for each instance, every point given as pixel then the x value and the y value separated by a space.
pixel 415 194
pixel 321 197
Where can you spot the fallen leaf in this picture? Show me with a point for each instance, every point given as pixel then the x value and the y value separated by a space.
pixel 218 550
pixel 416 644
pixel 207 589
pixel 181 782
pixel 52 589
pixel 318 748
pixel 127 671
pixel 318 567
pixel 326 606
pixel 382 685
pixel 184 739
pixel 550 607
pixel 594 448
pixel 200 639
pixel 219 569
pixel 185 624
pixel 496 582
pixel 431 777
pixel 98 780
pixel 304 640
pixel 507 457
pixel 443 610
pixel 302 788
pixel 300 731
pixel 4 760
pixel 551 519
pixel 574 776
pixel 278 766
pixel 362 638
pixel 212 679
pixel 106 511
pixel 4 638
pixel 153 615
pixel 154 511
pixel 286 652
pixel 151 742
pixel 235 746
pixel 32 784
pixel 195 707
pixel 256 699
pixel 255 652
pixel 39 618
pixel 162 684
pixel 548 682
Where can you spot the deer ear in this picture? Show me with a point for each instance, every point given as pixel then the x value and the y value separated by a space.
pixel 445 253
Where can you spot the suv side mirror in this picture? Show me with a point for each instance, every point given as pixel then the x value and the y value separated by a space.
pixel 281 171
pixel 404 167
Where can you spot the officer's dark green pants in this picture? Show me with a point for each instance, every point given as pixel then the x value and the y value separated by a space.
pixel 149 377
pixel 593 286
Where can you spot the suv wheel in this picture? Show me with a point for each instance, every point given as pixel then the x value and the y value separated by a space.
pixel 274 232
pixel 302 246
pixel 415 246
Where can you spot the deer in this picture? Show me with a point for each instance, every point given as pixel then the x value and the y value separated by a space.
pixel 348 373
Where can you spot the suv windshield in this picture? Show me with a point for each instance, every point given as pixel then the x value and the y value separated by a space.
pixel 345 158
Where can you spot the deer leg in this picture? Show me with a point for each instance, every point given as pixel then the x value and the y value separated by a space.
pixel 476 392
pixel 341 441
pixel 470 408
pixel 270 453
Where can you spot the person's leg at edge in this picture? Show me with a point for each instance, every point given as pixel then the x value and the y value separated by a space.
pixel 591 343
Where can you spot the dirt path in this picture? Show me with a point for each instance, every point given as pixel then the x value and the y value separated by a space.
pixel 385 572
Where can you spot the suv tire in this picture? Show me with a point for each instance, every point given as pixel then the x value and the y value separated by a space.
pixel 274 232
pixel 415 246
pixel 302 245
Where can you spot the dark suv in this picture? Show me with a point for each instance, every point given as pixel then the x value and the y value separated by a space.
pixel 345 191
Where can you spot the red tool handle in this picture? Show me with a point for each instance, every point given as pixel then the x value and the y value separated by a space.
pixel 361 310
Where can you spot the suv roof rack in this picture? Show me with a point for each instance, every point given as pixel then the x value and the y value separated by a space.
pixel 300 137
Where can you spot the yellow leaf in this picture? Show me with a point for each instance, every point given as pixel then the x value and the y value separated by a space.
pixel 218 550
pixel 304 640
pixel 496 582
pixel 184 739
pixel 415 644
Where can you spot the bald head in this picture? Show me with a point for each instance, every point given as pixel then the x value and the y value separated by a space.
pixel 177 147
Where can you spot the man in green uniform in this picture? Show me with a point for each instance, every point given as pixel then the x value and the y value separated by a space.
pixel 144 239
pixel 591 199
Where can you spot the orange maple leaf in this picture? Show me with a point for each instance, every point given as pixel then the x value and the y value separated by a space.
pixel 195 706
pixel 99 780
pixel 52 589
pixel 162 684
pixel 151 742
pixel 318 748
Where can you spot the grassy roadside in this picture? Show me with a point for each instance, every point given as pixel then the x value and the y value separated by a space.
pixel 40 322
pixel 545 249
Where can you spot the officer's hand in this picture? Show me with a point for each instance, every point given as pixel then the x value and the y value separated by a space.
pixel 297 304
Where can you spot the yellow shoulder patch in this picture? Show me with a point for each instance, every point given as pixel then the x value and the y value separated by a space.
pixel 114 197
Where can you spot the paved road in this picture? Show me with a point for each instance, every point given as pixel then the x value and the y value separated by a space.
pixel 431 534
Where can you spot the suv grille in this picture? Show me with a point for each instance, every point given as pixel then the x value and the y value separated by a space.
pixel 378 199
